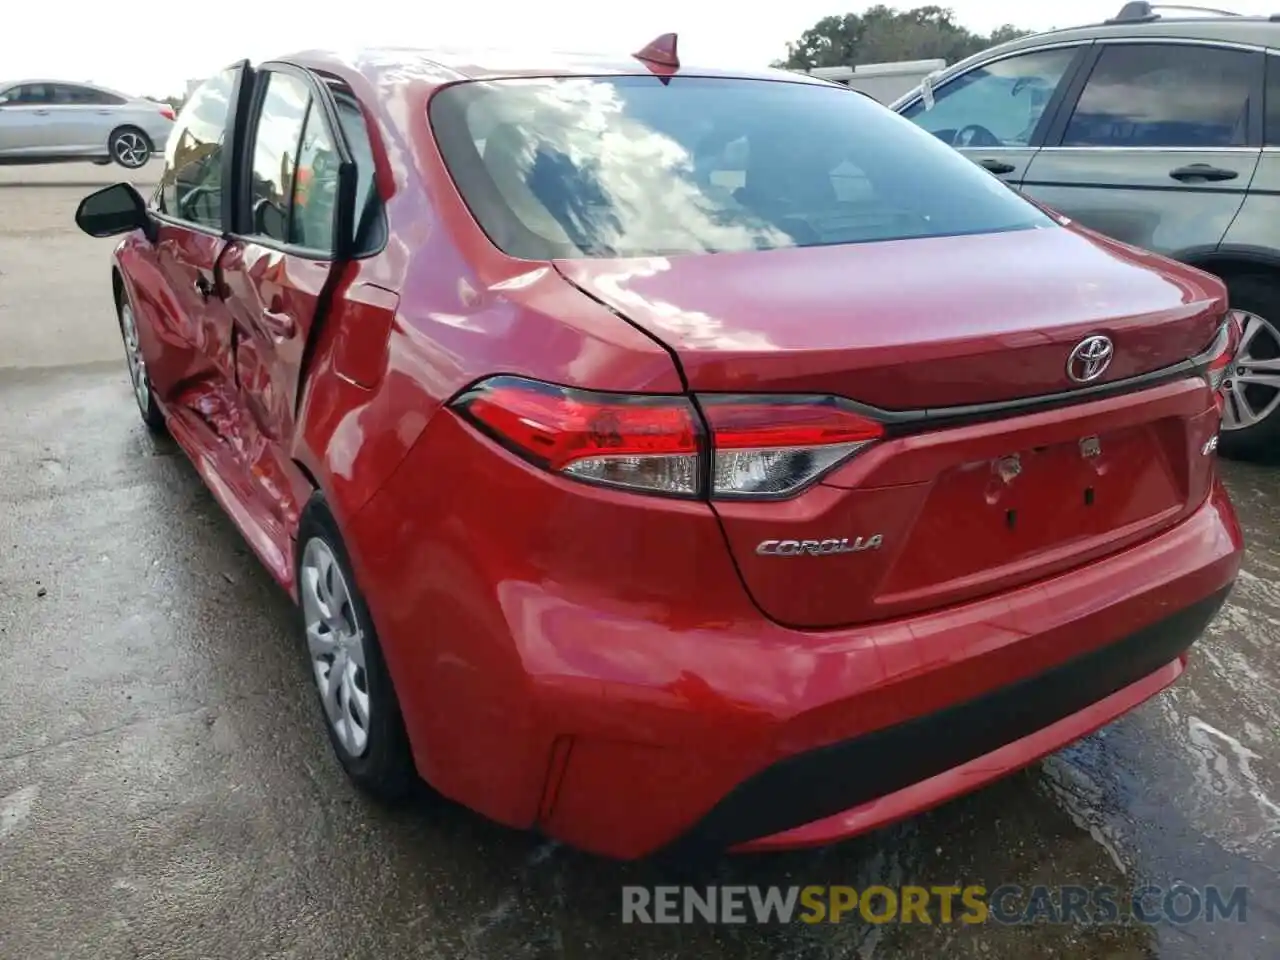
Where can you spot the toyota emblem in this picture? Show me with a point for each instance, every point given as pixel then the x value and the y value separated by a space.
pixel 1090 359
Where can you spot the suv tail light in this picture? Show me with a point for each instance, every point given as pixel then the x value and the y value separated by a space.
pixel 749 447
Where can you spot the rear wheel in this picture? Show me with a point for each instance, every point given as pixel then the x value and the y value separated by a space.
pixel 361 711
pixel 1251 417
pixel 130 147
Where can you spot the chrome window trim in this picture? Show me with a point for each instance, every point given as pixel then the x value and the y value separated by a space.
pixel 1185 42
pixel 170 220
pixel 1104 149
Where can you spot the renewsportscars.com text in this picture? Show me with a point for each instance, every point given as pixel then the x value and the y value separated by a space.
pixel 1008 904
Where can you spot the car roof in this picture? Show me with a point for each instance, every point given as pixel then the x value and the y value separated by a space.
pixel 1255 32
pixel 439 66
pixel 1246 31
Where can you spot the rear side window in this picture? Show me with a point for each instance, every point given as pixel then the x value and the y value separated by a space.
pixel 191 184
pixel 1174 95
pixel 370 223
pixel 88 96
pixel 275 153
pixel 315 193
pixel 294 187
pixel 635 166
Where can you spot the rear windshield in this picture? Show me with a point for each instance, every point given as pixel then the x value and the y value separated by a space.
pixel 632 166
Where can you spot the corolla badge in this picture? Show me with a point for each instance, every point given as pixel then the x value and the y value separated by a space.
pixel 1090 358
pixel 818 548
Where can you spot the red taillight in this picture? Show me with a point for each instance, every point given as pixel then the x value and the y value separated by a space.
pixel 771 447
pixel 759 447
pixel 1222 351
pixel 644 442
pixel 167 113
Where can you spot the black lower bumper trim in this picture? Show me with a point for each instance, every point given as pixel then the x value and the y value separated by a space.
pixel 823 782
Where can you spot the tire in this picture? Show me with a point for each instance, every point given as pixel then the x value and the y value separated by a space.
pixel 374 750
pixel 130 147
pixel 139 378
pixel 1251 421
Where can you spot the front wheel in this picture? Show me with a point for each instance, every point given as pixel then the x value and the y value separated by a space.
pixel 362 714
pixel 138 376
pixel 130 148
pixel 1251 416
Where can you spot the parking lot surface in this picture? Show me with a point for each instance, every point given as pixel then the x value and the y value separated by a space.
pixel 166 789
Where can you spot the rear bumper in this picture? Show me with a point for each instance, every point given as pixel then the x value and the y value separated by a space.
pixel 624 695
pixel 807 746
pixel 829 790
pixel 157 128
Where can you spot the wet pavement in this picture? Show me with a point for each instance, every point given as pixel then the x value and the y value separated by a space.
pixel 166 789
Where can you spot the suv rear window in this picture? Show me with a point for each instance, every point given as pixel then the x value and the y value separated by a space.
pixel 634 166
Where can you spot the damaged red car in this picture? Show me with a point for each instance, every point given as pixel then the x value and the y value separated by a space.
pixel 667 458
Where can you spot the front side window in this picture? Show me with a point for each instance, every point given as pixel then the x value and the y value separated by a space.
pixel 638 166
pixel 275 153
pixel 997 104
pixel 1165 95
pixel 191 184
pixel 29 95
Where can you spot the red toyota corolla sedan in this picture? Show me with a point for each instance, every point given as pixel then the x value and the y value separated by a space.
pixel 666 458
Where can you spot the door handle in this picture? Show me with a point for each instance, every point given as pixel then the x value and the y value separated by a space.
pixel 278 324
pixel 998 167
pixel 105 112
pixel 1202 171
pixel 204 286
pixel 41 113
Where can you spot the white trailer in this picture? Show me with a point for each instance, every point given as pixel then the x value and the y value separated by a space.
pixel 884 81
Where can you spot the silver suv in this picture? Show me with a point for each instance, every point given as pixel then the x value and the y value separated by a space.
pixel 43 121
pixel 1163 133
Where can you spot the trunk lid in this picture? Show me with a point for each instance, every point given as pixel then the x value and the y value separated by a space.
pixel 911 324
pixel 939 515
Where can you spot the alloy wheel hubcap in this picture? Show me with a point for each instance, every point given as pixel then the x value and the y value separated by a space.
pixel 131 150
pixel 133 354
pixel 1253 387
pixel 335 641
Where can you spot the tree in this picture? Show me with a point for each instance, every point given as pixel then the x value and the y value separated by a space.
pixel 883 34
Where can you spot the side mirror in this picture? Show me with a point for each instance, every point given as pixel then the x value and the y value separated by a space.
pixel 113 210
pixel 269 220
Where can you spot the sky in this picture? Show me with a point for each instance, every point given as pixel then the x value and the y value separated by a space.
pixel 152 47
